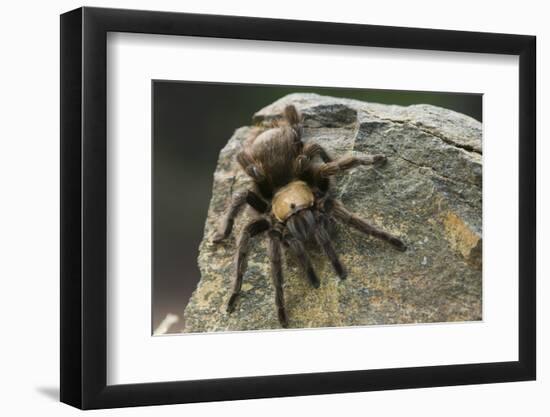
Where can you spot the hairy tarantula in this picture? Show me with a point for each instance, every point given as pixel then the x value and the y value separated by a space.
pixel 292 201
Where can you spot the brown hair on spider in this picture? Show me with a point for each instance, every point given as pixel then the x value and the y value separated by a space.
pixel 292 201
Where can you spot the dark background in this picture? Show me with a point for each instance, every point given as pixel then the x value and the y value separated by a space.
pixel 191 124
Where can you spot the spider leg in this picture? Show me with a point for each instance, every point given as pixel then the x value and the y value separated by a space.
pixel 250 230
pixel 323 239
pixel 311 150
pixel 307 155
pixel 256 202
pixel 343 214
pixel 297 247
pixel 347 162
pixel 274 252
pixel 237 203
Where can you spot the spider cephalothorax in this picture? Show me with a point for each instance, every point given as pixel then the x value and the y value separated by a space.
pixel 292 201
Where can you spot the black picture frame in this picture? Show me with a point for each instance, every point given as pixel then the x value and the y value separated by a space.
pixel 84 194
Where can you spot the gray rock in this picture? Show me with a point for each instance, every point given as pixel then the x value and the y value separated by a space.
pixel 429 193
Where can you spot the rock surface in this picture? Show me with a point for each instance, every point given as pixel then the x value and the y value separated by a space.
pixel 429 193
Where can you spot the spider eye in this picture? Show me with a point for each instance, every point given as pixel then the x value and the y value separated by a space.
pixel 292 206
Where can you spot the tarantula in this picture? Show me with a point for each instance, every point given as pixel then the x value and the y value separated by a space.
pixel 292 202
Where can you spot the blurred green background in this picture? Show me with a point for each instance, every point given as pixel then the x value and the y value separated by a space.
pixel 191 124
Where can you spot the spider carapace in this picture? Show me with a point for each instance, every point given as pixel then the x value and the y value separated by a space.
pixel 292 201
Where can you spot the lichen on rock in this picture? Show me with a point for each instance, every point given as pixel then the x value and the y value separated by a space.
pixel 429 193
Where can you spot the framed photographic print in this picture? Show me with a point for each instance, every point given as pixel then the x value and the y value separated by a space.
pixel 257 208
